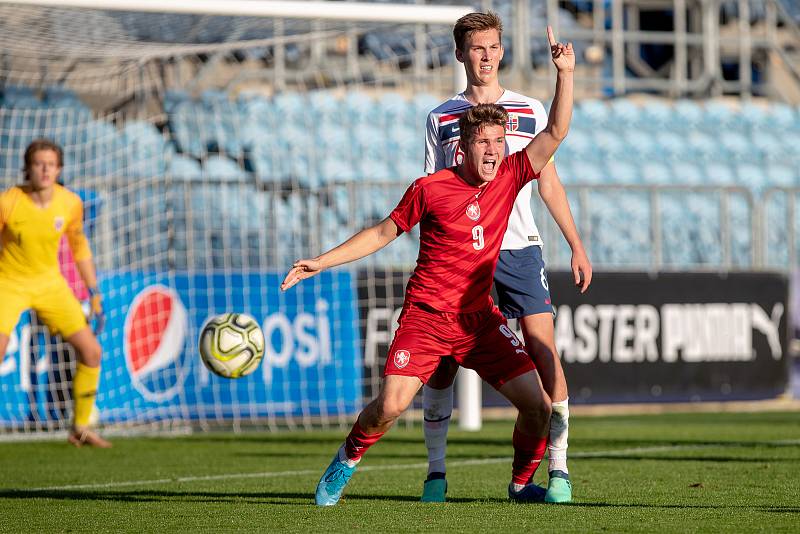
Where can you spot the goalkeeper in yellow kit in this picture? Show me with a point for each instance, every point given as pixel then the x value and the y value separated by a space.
pixel 33 218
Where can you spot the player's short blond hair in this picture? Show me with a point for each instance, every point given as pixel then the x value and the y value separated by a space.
pixel 476 22
pixel 38 145
pixel 479 116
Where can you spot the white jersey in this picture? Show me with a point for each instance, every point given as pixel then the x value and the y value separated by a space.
pixel 526 118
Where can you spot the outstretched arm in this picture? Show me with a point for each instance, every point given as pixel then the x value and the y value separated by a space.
pixel 555 198
pixel 362 244
pixel 544 145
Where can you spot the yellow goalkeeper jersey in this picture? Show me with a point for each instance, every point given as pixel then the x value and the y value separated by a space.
pixel 30 235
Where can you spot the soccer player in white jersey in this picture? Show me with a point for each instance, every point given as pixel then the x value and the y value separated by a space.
pixel 462 214
pixel 520 278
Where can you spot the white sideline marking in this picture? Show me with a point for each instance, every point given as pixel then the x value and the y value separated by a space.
pixel 395 467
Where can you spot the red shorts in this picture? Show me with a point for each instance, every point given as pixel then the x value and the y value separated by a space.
pixel 478 340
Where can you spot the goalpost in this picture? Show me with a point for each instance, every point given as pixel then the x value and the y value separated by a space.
pixel 190 212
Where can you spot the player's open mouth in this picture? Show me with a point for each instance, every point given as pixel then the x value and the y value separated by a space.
pixel 488 165
pixel 486 68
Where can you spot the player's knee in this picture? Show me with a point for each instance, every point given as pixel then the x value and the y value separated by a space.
pixel 91 353
pixel 389 409
pixel 537 413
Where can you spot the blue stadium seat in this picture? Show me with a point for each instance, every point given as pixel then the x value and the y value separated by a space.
pixel 585 172
pixel 639 146
pixel 290 108
pixel 654 172
pixel 173 97
pixel 717 116
pixel 189 129
pixel 146 149
pixel 769 145
pixel 657 116
pixel 592 114
pixel 394 110
pixel 784 117
pixel 701 147
pixel 625 115
pixel 183 167
pixel 622 172
pixel 360 109
pixel 672 146
pixel 378 170
pixel 720 174
pixel 338 169
pixel 18 96
pixel 735 147
pixel 222 168
pixel 60 96
pixel 779 175
pixel 326 108
pixel 751 175
pixel 753 117
pixel 688 114
pixel 423 104
pixel 578 146
pixel 609 145
pixel 686 172
pixel 369 145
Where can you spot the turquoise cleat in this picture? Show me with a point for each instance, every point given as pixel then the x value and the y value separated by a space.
pixel 559 489
pixel 332 483
pixel 435 488
pixel 530 493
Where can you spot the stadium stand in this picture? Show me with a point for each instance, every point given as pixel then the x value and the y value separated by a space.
pixel 364 139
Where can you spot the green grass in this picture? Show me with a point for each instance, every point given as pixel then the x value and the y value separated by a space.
pixel 654 473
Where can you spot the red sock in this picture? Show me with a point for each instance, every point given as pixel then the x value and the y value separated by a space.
pixel 528 454
pixel 358 442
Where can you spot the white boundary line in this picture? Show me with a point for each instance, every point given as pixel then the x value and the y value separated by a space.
pixel 394 467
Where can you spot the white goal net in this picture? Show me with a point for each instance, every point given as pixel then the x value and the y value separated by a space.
pixel 211 152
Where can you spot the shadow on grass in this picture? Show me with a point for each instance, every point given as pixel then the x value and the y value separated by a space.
pixel 286 498
pixel 293 499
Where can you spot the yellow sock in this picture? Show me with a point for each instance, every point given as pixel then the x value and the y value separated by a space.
pixel 84 389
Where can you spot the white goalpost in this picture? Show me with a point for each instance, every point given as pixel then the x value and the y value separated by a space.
pixel 207 151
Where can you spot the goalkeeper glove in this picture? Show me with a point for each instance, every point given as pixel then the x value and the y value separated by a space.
pixel 96 308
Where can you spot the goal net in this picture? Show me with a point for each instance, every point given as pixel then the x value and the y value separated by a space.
pixel 211 152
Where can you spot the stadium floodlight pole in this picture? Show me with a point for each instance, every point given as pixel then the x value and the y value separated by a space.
pixel 469 383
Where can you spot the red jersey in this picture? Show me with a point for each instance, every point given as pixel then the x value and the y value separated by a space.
pixel 461 230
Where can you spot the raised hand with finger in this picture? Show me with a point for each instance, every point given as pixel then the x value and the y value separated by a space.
pixel 563 54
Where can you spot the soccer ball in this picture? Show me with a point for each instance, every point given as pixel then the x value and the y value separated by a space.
pixel 231 345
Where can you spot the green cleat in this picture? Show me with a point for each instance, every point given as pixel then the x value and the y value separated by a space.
pixel 559 489
pixel 435 488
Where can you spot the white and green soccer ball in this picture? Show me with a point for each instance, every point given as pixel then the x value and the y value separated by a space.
pixel 231 345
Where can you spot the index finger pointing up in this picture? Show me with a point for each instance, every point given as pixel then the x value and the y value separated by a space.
pixel 550 36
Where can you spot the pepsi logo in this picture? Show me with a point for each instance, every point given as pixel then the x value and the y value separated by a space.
pixel 154 340
pixel 401 358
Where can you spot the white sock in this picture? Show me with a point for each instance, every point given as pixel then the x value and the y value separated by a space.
pixel 559 430
pixel 516 488
pixel 345 460
pixel 437 407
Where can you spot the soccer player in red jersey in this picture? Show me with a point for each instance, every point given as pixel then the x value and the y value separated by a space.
pixel 463 214
pixel 520 276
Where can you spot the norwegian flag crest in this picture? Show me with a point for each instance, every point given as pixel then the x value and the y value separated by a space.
pixel 513 122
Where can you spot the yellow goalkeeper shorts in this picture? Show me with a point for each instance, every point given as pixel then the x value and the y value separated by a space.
pixel 52 300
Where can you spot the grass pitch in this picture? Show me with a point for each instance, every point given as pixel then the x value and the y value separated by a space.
pixel 655 473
